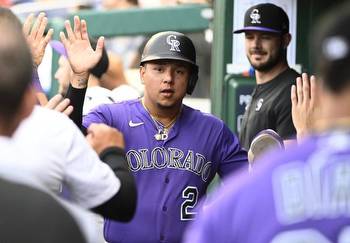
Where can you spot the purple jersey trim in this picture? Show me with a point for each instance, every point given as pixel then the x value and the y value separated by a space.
pixel 36 81
pixel 58 47
pixel 257 29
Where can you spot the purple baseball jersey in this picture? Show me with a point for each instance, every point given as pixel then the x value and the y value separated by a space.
pixel 172 174
pixel 300 195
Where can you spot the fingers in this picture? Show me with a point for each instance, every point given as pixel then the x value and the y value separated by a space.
pixel 37 23
pixel 42 27
pixel 62 105
pixel 293 96
pixel 99 46
pixel 299 88
pixel 47 39
pixel 306 87
pixel 77 28
pixel 70 33
pixel 28 24
pixel 52 103
pixel 59 104
pixel 68 110
pixel 313 90
pixel 84 32
pixel 63 39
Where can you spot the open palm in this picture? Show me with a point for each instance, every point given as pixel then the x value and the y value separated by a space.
pixel 81 55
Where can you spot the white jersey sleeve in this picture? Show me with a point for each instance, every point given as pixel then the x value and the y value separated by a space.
pixel 63 156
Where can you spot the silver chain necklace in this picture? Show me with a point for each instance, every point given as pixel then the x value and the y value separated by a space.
pixel 163 130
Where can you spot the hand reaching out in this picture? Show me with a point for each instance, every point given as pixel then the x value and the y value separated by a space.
pixel 81 55
pixel 35 35
pixel 101 136
pixel 59 104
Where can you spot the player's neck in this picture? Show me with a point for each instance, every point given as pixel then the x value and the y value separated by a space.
pixel 335 111
pixel 7 129
pixel 266 76
pixel 165 115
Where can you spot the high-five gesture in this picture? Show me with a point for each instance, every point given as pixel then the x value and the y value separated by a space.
pixel 81 55
pixel 305 104
pixel 35 35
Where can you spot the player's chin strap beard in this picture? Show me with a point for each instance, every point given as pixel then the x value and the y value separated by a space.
pixel 163 129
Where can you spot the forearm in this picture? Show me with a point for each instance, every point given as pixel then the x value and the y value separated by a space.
pixel 76 97
pixel 122 205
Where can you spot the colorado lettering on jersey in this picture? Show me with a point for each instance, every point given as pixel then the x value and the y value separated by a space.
pixel 326 195
pixel 174 158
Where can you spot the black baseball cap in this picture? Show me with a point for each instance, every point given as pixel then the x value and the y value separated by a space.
pixel 265 17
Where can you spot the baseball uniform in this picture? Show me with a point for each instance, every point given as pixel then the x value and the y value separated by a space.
pixel 172 173
pixel 270 107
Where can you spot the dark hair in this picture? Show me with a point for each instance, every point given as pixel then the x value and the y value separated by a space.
pixel 134 2
pixel 8 17
pixel 331 48
pixel 15 65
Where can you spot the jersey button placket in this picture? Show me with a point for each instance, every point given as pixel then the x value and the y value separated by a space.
pixel 166 180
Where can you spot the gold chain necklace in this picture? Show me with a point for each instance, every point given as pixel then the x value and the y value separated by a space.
pixel 163 130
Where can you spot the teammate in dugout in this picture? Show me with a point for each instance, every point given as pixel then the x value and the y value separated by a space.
pixel 303 193
pixel 266 29
pixel 173 150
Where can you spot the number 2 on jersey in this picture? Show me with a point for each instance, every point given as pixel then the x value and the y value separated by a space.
pixel 190 194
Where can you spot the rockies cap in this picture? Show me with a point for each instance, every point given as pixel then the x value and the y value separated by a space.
pixel 265 17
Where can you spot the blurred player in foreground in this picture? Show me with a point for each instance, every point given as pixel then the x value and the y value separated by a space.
pixel 302 194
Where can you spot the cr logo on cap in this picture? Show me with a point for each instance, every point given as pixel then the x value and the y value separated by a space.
pixel 255 16
pixel 174 44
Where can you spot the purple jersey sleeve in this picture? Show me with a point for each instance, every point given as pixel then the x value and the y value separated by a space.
pixel 301 195
pixel 233 155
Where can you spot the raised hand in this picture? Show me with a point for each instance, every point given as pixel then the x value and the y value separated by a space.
pixel 81 55
pixel 101 136
pixel 35 35
pixel 305 104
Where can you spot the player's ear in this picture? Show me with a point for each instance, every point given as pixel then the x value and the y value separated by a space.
pixel 286 38
pixel 142 72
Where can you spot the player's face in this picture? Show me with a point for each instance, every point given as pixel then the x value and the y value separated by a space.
pixel 165 82
pixel 63 74
pixel 264 50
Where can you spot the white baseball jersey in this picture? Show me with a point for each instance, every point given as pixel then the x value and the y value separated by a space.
pixel 61 155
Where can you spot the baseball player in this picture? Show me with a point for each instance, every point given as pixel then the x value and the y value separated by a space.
pixel 28 214
pixel 266 29
pixel 301 195
pixel 173 150
pixel 61 155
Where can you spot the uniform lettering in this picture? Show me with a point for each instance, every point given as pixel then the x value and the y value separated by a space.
pixel 174 158
pixel 326 195
pixel 162 160
pixel 134 160
pixel 146 164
